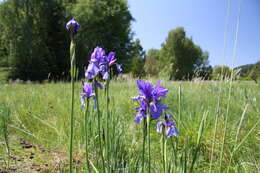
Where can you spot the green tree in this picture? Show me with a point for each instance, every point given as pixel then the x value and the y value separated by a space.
pixel 137 63
pixel 138 67
pixel 221 72
pixel 180 56
pixel 255 72
pixel 106 24
pixel 35 43
pixel 152 62
pixel 202 67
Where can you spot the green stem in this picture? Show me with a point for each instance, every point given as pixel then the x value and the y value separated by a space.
pixel 164 151
pixel 107 123
pixel 86 133
pixel 99 130
pixel 179 112
pixel 149 153
pixel 144 140
pixel 230 84
pixel 215 133
pixel 72 74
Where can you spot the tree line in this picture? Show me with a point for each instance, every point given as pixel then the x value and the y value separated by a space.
pixel 34 44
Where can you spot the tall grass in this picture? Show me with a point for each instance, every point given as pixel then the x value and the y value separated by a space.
pixel 40 115
pixel 4 132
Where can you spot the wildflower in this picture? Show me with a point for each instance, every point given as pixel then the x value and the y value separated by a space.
pixel 93 67
pixel 100 63
pixel 119 68
pixel 111 58
pixel 141 112
pixel 88 91
pixel 169 124
pixel 149 99
pixel 97 55
pixel 73 25
pixel 92 70
pixel 99 85
pixel 105 63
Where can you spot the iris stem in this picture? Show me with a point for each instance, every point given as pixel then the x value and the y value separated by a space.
pixel 72 74
pixel 144 140
pixel 149 154
pixel 107 123
pixel 164 151
pixel 86 133
pixel 99 130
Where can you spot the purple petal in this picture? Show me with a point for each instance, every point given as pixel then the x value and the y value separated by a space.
pixel 159 127
pixel 140 84
pixel 82 101
pixel 156 113
pixel 119 68
pixel 136 98
pixel 111 58
pixel 159 91
pixel 91 71
pixel 172 131
pixel 106 76
pixel 167 117
pixel 175 131
pixel 139 116
pixel 170 123
pixel 145 89
pixel 97 55
pixel 72 23
pixel 87 90
pixel 169 132
pixel 99 85
pixel 153 106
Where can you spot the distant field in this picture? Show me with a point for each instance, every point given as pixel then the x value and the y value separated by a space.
pixel 39 130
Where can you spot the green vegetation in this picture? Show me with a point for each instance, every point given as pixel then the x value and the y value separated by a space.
pixel 4 71
pixel 249 72
pixel 34 40
pixel 221 72
pixel 33 47
pixel 39 133
pixel 181 58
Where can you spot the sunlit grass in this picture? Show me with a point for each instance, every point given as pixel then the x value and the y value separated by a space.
pixel 40 115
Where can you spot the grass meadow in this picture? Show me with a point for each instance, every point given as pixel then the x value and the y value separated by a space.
pixel 207 114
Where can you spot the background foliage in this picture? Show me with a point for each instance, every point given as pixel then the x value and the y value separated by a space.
pixel 34 43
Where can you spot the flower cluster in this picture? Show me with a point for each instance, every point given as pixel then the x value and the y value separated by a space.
pixel 149 99
pixel 100 63
pixel 150 103
pixel 168 125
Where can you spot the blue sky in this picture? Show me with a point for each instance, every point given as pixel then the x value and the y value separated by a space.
pixel 205 22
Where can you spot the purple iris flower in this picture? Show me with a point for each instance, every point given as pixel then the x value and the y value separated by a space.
pixel 149 98
pixel 87 92
pixel 111 58
pixel 156 109
pixel 73 25
pixel 100 63
pixel 94 63
pixel 169 124
pixel 97 55
pixel 141 112
pixel 119 68
pixel 99 85
pixel 92 70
